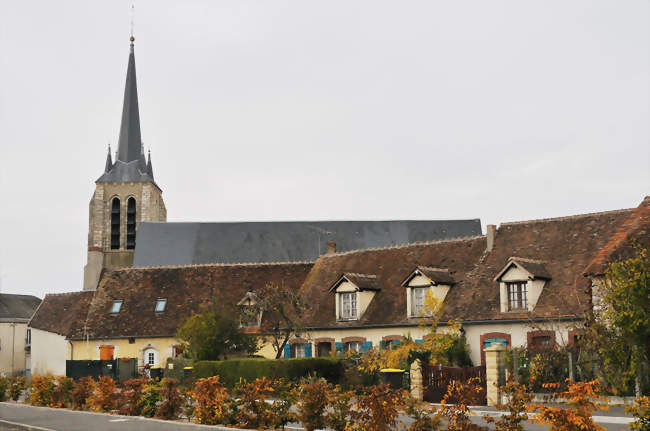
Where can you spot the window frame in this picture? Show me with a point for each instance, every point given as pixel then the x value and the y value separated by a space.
pixel 348 346
pixel 415 311
pixel 162 301
pixel 517 292
pixel 353 306
pixel 119 303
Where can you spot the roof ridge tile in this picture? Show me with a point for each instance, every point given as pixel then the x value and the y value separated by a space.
pixel 216 264
pixel 571 217
pixel 397 246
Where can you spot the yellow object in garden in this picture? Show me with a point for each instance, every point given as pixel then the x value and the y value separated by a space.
pixel 391 370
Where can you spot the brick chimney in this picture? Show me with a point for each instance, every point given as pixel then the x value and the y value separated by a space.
pixel 331 247
pixel 491 234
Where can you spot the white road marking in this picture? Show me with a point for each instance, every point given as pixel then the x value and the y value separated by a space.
pixel 118 420
pixel 598 419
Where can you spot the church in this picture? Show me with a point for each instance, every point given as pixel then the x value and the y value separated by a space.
pixel 526 283
pixel 128 204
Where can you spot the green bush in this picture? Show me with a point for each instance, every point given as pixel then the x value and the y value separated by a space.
pixel 4 386
pixel 232 371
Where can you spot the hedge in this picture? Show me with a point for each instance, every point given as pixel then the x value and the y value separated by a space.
pixel 232 370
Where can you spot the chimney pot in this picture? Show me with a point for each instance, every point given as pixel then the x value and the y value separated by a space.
pixel 491 234
pixel 331 247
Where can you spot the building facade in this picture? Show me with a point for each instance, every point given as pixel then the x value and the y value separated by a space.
pixel 15 339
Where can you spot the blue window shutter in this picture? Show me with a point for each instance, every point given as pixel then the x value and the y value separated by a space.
pixel 490 341
pixel 287 351
pixel 382 344
pixel 419 341
pixel 367 345
pixel 308 350
pixel 339 348
pixel 397 342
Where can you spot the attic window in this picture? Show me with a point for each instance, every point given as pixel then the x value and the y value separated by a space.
pixel 349 305
pixel 117 305
pixel 517 295
pixel 160 305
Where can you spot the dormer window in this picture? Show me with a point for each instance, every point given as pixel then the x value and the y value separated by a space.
pixel 160 305
pixel 354 293
pixel 521 282
pixel 250 316
pixel 348 305
pixel 117 306
pixel 426 281
pixel 517 295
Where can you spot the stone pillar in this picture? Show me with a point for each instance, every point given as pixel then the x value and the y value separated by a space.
pixel 417 390
pixel 495 371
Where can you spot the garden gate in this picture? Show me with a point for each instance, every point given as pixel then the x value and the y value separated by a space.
pixel 436 380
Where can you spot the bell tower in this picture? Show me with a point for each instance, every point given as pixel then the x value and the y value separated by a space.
pixel 125 194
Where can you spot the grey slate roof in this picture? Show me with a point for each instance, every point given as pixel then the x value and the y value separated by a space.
pixel 17 307
pixel 130 161
pixel 168 244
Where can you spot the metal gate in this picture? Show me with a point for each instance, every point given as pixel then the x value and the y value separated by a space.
pixel 117 369
pixel 437 379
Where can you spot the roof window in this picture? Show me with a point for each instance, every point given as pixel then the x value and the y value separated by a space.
pixel 117 305
pixel 160 305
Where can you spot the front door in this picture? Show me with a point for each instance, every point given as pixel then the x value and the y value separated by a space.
pixel 325 349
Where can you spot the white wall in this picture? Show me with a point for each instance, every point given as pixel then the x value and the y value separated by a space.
pixel 12 347
pixel 49 353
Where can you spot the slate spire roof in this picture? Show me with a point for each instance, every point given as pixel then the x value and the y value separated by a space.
pixel 130 161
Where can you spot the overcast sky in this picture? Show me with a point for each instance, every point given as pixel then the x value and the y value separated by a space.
pixel 318 110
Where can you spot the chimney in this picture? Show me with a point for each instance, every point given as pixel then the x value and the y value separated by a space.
pixel 331 247
pixel 491 234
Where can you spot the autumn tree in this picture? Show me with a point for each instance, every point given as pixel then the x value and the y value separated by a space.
pixel 215 334
pixel 622 329
pixel 284 311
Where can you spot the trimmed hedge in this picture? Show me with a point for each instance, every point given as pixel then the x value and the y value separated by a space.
pixel 232 370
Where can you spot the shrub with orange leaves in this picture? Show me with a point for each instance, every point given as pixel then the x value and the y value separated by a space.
pixel 425 418
pixel 172 402
pixel 254 411
pixel 132 391
pixel 16 387
pixel 83 389
pixel 641 411
pixel 104 397
pixel 378 408
pixel 313 396
pixel 339 412
pixel 462 395
pixel 211 398
pixel 62 392
pixel 518 398
pixel 41 391
pixel 577 417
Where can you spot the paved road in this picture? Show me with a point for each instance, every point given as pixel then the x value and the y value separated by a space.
pixel 46 419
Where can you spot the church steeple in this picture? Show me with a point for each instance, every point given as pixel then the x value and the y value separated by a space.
pixel 109 161
pixel 130 140
pixel 149 166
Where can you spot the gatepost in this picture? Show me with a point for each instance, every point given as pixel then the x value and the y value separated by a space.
pixel 417 391
pixel 495 371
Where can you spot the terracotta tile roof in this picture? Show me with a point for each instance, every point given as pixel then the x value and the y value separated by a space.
pixel 362 281
pixel 62 313
pixel 437 275
pixel 556 249
pixel 186 289
pixel 636 229
pixel 536 268
pixel 390 266
pixel 565 245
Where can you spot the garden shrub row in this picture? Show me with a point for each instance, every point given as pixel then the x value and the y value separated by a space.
pixel 232 371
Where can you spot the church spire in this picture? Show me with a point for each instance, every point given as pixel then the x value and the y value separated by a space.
pixel 129 145
pixel 109 160
pixel 149 166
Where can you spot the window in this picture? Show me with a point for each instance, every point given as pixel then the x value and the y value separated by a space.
pixel 115 224
pixel 28 337
pixel 517 295
pixel 130 224
pixel 353 346
pixel 150 357
pixel 299 350
pixel 117 305
pixel 349 305
pixel 419 296
pixel 160 305
pixel 541 342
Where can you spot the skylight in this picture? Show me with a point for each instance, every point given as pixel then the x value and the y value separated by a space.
pixel 160 305
pixel 117 304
